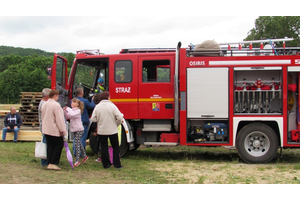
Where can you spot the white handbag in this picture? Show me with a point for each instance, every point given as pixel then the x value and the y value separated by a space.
pixel 41 150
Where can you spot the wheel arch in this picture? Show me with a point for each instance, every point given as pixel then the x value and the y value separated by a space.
pixel 275 124
pixel 128 130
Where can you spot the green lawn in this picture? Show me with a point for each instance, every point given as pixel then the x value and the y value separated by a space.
pixel 156 165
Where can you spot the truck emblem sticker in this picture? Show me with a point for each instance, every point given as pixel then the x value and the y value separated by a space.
pixel 123 89
pixel 155 107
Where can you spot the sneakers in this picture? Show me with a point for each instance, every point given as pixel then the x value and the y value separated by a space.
pixel 77 164
pixel 85 159
pixel 121 167
pixel 98 160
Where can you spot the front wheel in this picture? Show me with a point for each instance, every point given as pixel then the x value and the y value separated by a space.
pixel 123 146
pixel 257 143
pixel 94 144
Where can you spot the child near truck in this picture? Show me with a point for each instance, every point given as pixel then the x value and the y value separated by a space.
pixel 76 128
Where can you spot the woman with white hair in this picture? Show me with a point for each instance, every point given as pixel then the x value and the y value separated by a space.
pixel 45 94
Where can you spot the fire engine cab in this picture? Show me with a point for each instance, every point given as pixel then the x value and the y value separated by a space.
pixel 200 95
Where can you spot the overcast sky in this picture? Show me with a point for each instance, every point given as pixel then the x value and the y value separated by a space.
pixel 110 34
pixel 118 24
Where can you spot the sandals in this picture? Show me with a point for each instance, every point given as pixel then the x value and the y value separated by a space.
pixel 53 167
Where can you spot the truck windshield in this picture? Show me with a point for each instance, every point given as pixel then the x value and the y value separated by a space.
pixel 84 76
pixel 87 73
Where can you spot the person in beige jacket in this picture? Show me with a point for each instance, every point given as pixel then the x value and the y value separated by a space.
pixel 54 128
pixel 108 118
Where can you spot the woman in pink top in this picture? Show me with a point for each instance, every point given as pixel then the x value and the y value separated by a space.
pixel 76 127
pixel 54 128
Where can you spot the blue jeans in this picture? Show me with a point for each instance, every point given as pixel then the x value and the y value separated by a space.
pixel 44 162
pixel 15 130
pixel 83 139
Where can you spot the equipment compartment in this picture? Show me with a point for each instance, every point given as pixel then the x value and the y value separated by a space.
pixel 202 131
pixel 258 90
pixel 207 93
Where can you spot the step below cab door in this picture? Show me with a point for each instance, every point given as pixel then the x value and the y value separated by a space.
pixel 59 78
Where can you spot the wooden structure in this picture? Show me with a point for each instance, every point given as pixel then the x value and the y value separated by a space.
pixel 24 135
pixel 29 108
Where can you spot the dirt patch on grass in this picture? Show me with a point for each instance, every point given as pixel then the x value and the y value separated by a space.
pixel 209 173
pixel 40 175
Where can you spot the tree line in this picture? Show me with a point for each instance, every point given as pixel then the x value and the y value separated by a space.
pixel 7 50
pixel 28 73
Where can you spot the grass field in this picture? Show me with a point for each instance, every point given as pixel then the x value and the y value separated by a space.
pixel 156 165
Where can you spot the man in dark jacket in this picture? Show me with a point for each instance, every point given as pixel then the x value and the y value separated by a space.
pixel 12 122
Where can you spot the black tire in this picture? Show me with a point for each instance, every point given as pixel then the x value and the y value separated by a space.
pixel 136 146
pixel 123 147
pixel 257 143
pixel 93 144
pixel 124 144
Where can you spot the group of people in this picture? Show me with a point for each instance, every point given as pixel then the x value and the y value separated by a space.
pixel 54 133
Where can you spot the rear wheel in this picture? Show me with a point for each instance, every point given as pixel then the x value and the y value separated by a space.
pixel 257 143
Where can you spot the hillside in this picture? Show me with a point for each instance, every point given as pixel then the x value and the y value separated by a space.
pixel 8 50
pixel 24 70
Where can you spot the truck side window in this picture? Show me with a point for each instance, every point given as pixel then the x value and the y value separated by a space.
pixel 156 71
pixel 123 71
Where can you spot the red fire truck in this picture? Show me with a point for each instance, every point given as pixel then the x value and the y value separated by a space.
pixel 247 98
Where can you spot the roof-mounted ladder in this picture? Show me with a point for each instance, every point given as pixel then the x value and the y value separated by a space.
pixel 250 51
pixel 250 42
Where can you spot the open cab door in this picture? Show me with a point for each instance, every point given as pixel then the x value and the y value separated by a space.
pixel 59 77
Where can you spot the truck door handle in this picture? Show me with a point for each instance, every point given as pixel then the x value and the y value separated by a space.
pixel 169 106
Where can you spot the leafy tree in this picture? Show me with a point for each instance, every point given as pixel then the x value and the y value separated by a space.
pixel 10 60
pixel 271 27
pixel 9 86
pixel 24 70
pixel 29 75
pixel 70 58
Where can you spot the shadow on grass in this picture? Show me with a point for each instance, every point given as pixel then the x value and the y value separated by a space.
pixel 207 154
pixel 211 154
